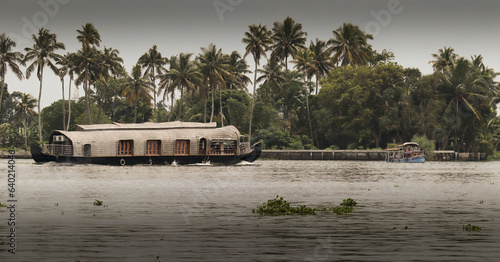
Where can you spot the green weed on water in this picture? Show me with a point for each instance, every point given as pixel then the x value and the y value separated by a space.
pixel 279 206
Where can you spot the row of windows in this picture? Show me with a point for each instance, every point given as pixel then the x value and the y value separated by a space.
pixel 182 147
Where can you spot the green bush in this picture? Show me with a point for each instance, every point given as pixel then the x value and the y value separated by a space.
pixel 426 145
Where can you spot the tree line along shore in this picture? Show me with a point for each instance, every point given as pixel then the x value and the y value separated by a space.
pixel 336 93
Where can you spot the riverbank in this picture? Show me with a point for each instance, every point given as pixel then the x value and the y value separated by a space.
pixel 22 154
pixel 367 155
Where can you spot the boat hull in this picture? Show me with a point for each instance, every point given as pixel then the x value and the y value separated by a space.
pixel 407 160
pixel 40 157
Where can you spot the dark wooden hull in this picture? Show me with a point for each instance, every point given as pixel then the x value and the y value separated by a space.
pixel 40 157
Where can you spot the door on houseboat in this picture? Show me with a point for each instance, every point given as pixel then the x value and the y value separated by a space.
pixel 87 150
pixel 202 147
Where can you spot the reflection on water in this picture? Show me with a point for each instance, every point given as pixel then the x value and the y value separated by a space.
pixel 409 212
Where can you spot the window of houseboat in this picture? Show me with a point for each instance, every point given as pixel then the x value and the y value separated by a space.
pixel 126 147
pixel 153 147
pixel 223 147
pixel 182 147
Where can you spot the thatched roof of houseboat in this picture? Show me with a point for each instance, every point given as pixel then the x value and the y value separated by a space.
pixel 147 125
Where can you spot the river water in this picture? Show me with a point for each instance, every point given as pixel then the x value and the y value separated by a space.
pixel 405 212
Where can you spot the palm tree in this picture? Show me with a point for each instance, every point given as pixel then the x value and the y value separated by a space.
pixel 24 108
pixel 153 62
pixel 273 76
pixel 137 87
pixel 183 73
pixel 86 61
pixel 444 59
pixel 465 91
pixel 320 60
pixel 69 65
pixel 111 64
pixel 258 41
pixel 8 58
pixel 287 37
pixel 238 69
pixel 62 72
pixel 349 46
pixel 42 53
pixel 214 67
pixel 304 63
pixel 88 36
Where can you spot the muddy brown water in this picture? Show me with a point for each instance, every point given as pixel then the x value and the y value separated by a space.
pixel 405 212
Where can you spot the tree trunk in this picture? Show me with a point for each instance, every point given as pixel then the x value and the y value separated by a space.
pixel 85 89
pixel 1 92
pixel 317 84
pixel 154 96
pixel 171 106
pixel 69 104
pixel 39 102
pixel 308 114
pixel 135 110
pixel 64 104
pixel 180 104
pixel 26 131
pixel 213 105
pixel 253 101
pixel 220 104
pixel 205 110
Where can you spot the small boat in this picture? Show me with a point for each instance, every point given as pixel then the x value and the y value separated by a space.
pixel 406 153
pixel 148 143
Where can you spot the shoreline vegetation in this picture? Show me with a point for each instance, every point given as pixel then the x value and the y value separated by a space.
pixel 302 94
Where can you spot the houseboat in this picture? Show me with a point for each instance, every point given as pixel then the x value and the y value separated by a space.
pixel 148 143
pixel 406 153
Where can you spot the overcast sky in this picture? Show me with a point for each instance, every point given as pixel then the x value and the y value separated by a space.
pixel 412 29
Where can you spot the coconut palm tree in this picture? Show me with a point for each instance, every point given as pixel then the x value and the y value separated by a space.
pixel 320 60
pixel 214 67
pixel 42 54
pixel 239 69
pixel 68 63
pixel 62 72
pixel 137 87
pixel 88 36
pixel 273 77
pixel 444 59
pixel 8 59
pixel 183 73
pixel 465 91
pixel 258 41
pixel 287 37
pixel 25 105
pixel 304 63
pixel 153 62
pixel 111 64
pixel 349 46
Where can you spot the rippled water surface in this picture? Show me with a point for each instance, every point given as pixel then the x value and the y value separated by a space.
pixel 405 212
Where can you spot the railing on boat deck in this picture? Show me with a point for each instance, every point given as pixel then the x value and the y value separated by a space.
pixel 58 150
pixel 245 148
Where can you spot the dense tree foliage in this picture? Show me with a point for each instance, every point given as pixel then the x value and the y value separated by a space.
pixel 339 93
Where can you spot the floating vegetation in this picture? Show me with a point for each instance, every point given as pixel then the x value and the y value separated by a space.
pixel 98 203
pixel 279 206
pixel 470 228
pixel 2 204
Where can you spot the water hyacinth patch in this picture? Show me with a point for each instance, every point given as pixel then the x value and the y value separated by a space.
pixel 470 228
pixel 279 206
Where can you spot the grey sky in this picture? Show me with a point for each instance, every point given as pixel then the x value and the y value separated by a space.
pixel 412 29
